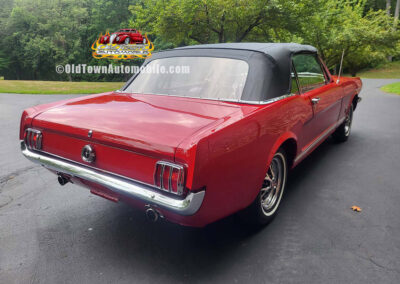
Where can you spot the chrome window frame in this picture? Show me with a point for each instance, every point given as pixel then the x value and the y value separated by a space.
pixel 269 101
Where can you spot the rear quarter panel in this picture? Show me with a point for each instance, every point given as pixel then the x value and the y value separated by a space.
pixel 351 87
pixel 230 160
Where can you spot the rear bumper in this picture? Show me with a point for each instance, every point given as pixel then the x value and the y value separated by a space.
pixel 120 185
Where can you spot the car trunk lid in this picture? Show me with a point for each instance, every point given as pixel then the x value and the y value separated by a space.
pixel 147 124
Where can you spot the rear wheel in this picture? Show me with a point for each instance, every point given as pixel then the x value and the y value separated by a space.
pixel 264 207
pixel 342 133
pixel 127 40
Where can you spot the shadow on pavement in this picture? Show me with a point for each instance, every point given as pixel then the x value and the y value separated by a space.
pixel 175 250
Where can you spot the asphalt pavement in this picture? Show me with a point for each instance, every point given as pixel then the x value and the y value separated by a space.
pixel 54 234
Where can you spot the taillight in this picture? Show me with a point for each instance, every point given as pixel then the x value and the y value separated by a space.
pixel 33 139
pixel 166 178
pixel 170 177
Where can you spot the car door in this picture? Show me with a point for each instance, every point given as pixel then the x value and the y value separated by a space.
pixel 323 95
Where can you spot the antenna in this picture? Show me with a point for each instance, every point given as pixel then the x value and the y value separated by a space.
pixel 340 68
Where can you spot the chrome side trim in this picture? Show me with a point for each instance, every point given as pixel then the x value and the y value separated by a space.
pixel 266 102
pixel 136 190
pixel 323 136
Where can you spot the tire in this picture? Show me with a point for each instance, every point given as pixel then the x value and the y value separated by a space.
pixel 127 40
pixel 342 133
pixel 265 207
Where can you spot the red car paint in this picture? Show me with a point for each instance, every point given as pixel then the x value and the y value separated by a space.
pixel 226 147
pixel 124 36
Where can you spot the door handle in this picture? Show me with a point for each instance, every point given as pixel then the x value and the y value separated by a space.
pixel 314 101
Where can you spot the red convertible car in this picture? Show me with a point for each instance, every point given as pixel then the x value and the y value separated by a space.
pixel 196 147
pixel 124 36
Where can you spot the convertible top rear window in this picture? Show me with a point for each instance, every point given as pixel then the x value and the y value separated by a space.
pixel 205 77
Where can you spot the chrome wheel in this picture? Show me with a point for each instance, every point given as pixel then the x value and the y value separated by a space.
pixel 273 185
pixel 348 121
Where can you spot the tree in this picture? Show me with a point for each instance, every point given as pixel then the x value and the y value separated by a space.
pixel 388 4
pixel 35 36
pixel 367 39
pixel 185 22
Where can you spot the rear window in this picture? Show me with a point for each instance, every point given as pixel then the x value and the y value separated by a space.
pixel 198 77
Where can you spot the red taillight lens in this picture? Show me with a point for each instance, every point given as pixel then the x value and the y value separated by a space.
pixel 33 139
pixel 157 176
pixel 170 177
pixel 174 180
pixel 165 177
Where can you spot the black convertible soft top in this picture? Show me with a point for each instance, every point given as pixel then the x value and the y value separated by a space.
pixel 276 50
pixel 269 64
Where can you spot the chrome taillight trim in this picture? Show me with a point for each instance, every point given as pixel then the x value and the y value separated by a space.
pixel 172 166
pixel 30 141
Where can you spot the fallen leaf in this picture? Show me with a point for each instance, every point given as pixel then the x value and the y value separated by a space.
pixel 356 208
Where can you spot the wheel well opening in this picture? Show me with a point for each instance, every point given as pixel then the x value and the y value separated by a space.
pixel 290 147
pixel 355 102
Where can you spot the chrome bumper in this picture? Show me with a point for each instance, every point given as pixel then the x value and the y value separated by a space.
pixel 118 184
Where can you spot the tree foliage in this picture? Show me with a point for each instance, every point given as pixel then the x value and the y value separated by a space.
pixel 37 35
pixel 367 38
pixel 184 22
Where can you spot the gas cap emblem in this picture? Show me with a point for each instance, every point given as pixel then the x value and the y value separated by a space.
pixel 88 154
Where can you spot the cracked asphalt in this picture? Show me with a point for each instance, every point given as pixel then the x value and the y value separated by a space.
pixel 54 234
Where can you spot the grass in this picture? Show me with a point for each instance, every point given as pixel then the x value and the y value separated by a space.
pixel 393 88
pixel 57 87
pixel 390 70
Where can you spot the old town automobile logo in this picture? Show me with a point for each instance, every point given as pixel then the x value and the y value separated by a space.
pixel 88 154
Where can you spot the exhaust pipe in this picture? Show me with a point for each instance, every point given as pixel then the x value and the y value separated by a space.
pixel 153 214
pixel 62 180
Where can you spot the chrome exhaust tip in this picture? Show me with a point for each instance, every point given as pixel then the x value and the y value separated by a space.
pixel 62 180
pixel 152 215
